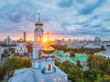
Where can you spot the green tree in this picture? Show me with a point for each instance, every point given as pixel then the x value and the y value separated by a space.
pixel 95 61
pixel 67 65
pixel 72 53
pixel 11 64
pixel 89 52
pixel 102 48
pixel 79 64
pixel 75 74
pixel 91 74
pixel 29 47
pixel 99 78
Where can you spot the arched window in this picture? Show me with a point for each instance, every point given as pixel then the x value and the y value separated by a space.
pixel 39 53
pixel 40 38
pixel 49 67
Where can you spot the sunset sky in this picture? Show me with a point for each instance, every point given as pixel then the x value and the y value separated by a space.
pixel 82 19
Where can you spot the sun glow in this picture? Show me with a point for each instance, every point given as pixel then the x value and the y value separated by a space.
pixel 45 39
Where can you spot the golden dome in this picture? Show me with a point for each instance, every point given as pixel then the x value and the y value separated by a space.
pixel 15 49
pixel 21 50
pixel 26 49
pixel 38 23
pixel 21 39
pixel 48 48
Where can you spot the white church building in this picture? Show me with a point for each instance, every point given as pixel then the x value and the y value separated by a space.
pixel 21 47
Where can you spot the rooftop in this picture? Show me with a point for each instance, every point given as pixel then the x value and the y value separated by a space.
pixel 35 75
pixel 81 57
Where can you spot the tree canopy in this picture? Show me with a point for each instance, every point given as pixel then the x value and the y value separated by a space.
pixel 9 65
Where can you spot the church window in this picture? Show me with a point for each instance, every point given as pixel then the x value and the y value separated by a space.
pixel 49 67
pixel 39 53
pixel 40 38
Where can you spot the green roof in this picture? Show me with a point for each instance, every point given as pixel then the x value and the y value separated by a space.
pixel 82 58
pixel 67 53
pixel 85 54
pixel 72 59
pixel 79 57
pixel 62 57
pixel 58 52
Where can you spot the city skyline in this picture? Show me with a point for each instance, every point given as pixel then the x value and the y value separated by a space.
pixel 54 41
pixel 70 18
pixel 57 37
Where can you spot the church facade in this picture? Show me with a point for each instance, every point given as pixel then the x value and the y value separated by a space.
pixel 21 47
pixel 41 59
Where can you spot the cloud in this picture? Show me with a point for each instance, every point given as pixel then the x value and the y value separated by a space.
pixel 87 6
pixel 65 3
pixel 22 11
pixel 71 17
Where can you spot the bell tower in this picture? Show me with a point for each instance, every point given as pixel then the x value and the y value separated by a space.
pixel 38 31
pixel 37 46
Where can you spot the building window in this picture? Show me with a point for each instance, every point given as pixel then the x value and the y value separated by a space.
pixel 49 67
pixel 39 53
pixel 40 38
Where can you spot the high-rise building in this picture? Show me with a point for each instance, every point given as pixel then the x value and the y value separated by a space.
pixel 62 42
pixel 57 42
pixel 25 36
pixel 97 41
pixel 73 44
pixel 84 42
pixel 0 54
pixel 108 50
pixel 8 40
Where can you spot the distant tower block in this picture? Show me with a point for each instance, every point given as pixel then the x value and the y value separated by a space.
pixel 25 36
pixel 8 40
pixel 0 55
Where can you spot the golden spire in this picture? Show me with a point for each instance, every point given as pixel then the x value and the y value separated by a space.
pixel 38 17
pixel 39 23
